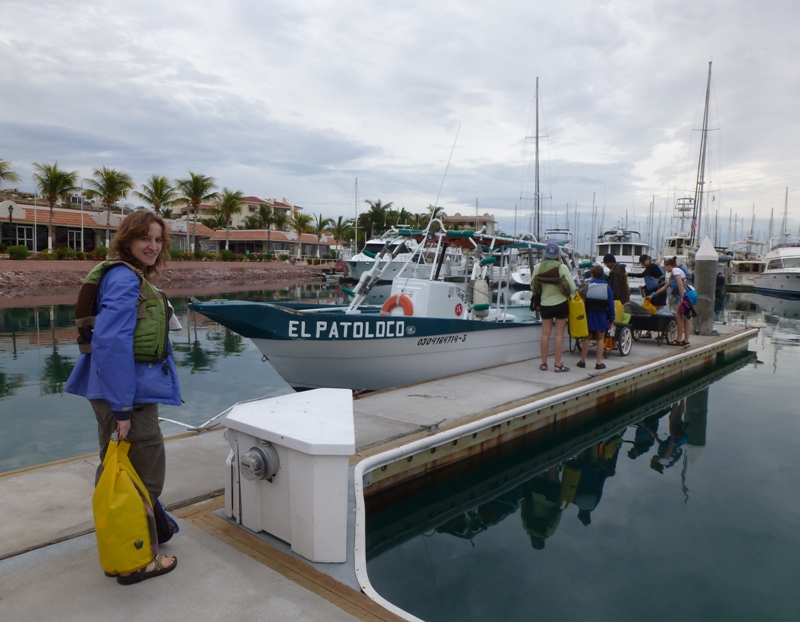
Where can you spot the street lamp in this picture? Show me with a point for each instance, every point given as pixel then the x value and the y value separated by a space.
pixel 11 214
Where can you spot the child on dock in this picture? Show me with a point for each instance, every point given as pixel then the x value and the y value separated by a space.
pixel 599 300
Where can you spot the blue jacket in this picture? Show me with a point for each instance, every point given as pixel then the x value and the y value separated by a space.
pixel 110 373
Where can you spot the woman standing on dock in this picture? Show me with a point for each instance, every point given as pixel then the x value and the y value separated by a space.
pixel 123 385
pixel 687 295
pixel 553 282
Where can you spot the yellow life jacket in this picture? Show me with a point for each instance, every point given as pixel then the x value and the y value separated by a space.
pixel 151 335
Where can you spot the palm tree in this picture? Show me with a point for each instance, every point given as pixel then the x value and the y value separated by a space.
pixel 281 221
pixel 318 226
pixel 404 217
pixel 435 211
pixel 301 223
pixel 111 186
pixel 341 229
pixel 54 184
pixel 377 214
pixel 195 190
pixel 166 212
pixel 228 204
pixel 267 217
pixel 6 174
pixel 158 192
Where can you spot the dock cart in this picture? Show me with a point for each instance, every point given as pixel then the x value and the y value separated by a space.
pixel 665 327
pixel 622 338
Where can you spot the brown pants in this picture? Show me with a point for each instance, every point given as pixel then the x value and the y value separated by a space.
pixel 147 453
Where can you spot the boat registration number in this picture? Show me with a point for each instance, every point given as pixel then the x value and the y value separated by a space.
pixel 438 341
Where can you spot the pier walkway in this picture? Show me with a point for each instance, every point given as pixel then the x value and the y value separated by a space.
pixel 48 559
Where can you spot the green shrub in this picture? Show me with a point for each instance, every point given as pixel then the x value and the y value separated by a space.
pixel 252 257
pixel 65 252
pixel 3 248
pixel 211 256
pixel 18 252
pixel 101 252
pixel 283 257
pixel 226 255
pixel 45 254
pixel 269 257
pixel 175 254
pixel 80 255
pixel 199 253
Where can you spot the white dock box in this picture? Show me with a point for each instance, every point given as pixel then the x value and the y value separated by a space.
pixel 288 469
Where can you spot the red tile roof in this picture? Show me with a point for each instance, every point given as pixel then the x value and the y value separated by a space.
pixel 261 235
pixel 41 215
pixel 64 217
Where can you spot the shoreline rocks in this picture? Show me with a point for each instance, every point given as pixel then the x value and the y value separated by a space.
pixel 36 280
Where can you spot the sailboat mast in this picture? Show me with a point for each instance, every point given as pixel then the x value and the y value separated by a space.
pixel 784 230
pixel 536 212
pixel 701 167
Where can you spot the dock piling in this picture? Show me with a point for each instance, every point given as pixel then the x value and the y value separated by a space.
pixel 705 282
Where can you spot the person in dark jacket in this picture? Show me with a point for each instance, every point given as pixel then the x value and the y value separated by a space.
pixel 654 276
pixel 125 392
pixel 617 279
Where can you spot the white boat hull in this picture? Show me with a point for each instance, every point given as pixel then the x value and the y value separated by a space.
pixel 370 364
pixel 784 283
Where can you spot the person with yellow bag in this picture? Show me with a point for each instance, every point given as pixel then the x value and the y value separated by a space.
pixel 125 370
pixel 599 312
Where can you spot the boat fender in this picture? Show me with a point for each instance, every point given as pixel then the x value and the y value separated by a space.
pixel 398 300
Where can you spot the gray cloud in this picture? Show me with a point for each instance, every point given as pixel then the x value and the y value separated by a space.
pixel 280 99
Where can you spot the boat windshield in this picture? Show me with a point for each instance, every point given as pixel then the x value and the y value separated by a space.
pixel 377 247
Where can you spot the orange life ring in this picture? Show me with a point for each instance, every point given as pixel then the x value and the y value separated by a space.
pixel 398 300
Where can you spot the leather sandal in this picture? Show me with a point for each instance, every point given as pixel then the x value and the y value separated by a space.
pixel 158 569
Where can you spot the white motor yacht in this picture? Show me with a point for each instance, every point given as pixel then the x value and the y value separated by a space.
pixel 781 276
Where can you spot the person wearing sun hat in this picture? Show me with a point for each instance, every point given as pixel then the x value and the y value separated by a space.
pixel 552 282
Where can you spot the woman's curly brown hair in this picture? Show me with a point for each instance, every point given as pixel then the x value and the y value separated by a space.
pixel 137 225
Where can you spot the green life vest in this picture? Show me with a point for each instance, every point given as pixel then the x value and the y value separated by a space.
pixel 151 335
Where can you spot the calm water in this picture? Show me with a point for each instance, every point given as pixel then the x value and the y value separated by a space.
pixel 680 505
pixel 40 423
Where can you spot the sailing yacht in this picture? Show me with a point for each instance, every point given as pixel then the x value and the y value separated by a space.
pixel 684 242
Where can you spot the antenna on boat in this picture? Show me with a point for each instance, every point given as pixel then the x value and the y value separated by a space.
pixel 356 215
pixel 436 204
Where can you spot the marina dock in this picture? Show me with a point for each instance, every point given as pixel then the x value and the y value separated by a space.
pixel 48 564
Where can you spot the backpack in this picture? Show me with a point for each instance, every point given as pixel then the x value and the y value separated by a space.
pixel 552 277
pixel 652 283
pixel 597 295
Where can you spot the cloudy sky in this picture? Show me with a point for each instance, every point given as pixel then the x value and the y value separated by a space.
pixel 297 100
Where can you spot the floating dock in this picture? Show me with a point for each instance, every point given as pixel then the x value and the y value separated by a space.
pixel 48 559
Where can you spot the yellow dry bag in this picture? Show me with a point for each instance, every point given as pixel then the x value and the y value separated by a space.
pixel 578 326
pixel 649 306
pixel 619 313
pixel 570 476
pixel 124 522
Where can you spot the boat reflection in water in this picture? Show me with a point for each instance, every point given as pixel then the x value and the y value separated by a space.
pixel 543 492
